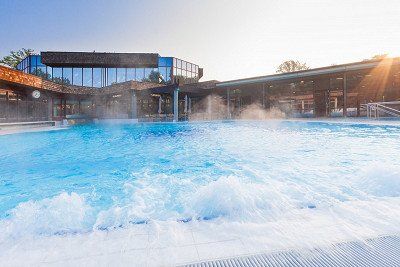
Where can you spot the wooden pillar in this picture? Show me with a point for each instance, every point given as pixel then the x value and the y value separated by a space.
pixel 50 108
pixel 7 106
pixel 321 96
pixel 65 108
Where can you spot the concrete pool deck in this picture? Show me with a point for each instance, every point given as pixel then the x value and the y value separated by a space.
pixel 22 127
pixel 196 249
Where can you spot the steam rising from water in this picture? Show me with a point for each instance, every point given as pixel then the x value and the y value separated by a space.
pixel 214 107
pixel 257 112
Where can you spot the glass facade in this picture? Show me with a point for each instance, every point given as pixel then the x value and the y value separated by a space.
pixel 19 106
pixel 186 70
pixel 168 69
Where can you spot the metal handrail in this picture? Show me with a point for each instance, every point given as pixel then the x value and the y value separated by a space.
pixel 391 109
pixel 373 109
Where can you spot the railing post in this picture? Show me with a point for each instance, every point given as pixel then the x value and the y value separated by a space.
pixel 377 110
pixel 228 104
pixel 134 113
pixel 345 95
pixel 176 104
pixel 263 96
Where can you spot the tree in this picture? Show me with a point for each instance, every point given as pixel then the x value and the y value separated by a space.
pixel 43 74
pixel 154 77
pixel 291 66
pixel 377 56
pixel 15 57
pixel 58 80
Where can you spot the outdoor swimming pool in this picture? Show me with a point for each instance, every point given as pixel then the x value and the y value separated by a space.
pixel 271 185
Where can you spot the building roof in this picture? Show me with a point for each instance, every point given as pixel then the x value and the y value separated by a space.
pixel 93 59
pixel 312 72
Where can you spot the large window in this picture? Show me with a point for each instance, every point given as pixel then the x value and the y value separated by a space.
pixel 77 74
pixel 86 107
pixel 97 77
pixel 121 75
pixel 33 64
pixel 111 76
pixel 57 75
pixel 71 107
pixel 163 73
pixel 165 61
pixel 168 75
pixel 187 70
pixel 139 74
pixel 3 105
pixel 67 75
pixel 49 73
pixel 164 67
pixel 130 74
pixel 147 73
pixel 87 77
pixel 168 67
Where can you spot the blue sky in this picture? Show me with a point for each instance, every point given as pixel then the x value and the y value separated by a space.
pixel 230 39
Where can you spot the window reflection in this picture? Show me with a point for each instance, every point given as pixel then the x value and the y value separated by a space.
pixel 33 65
pixel 147 73
pixel 97 77
pixel 130 74
pixel 139 74
pixel 163 73
pixel 168 61
pixel 168 67
pixel 49 71
pixel 57 75
pixel 121 75
pixel 87 77
pixel 162 61
pixel 111 76
pixel 67 75
pixel 77 76
pixel 168 75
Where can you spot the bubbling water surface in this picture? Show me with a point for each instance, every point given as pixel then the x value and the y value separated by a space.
pixel 106 177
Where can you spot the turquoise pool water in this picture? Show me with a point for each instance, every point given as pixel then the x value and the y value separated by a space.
pixel 103 176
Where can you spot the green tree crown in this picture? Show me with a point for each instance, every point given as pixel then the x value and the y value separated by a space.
pixel 16 57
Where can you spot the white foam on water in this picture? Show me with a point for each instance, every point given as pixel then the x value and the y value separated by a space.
pixel 305 198
pixel 65 213
pixel 380 180
pixel 300 228
pixel 264 217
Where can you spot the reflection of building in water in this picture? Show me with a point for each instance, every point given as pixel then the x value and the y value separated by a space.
pixel 148 87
